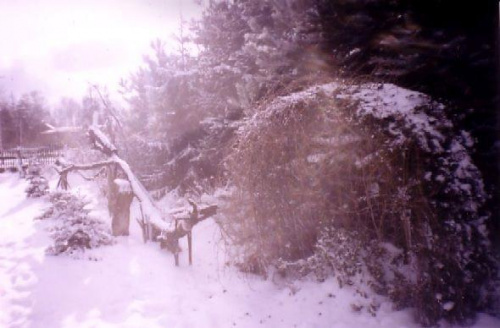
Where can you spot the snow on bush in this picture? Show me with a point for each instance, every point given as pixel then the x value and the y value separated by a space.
pixel 39 186
pixel 74 230
pixel 328 177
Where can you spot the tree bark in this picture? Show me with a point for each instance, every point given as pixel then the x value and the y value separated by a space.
pixel 119 201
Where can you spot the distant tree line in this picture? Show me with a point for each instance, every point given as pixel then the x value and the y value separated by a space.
pixel 22 120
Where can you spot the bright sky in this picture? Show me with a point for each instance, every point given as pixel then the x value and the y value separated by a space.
pixel 58 47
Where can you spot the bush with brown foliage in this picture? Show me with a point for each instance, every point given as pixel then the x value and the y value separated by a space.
pixel 377 161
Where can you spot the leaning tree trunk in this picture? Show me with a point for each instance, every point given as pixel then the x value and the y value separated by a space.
pixel 156 226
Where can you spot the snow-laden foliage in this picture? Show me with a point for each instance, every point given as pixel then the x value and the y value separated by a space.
pixel 73 228
pixel 39 186
pixel 343 254
pixel 374 160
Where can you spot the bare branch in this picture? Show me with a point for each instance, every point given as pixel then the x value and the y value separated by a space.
pixel 108 108
pixel 85 167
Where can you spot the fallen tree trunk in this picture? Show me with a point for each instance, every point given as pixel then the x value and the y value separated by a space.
pixel 151 215
pixel 166 228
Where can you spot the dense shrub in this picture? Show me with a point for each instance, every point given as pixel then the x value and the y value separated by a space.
pixel 74 230
pixel 375 161
pixel 39 186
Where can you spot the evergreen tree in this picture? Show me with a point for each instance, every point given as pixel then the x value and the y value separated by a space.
pixel 253 50
pixel 162 94
pixel 444 48
pixel 29 117
pixel 7 127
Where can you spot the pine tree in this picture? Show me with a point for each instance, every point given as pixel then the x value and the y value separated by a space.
pixel 30 114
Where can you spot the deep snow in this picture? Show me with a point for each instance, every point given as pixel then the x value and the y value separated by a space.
pixel 132 284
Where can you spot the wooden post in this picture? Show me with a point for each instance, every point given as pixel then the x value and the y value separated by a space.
pixel 20 162
pixel 176 256
pixel 190 245
pixel 119 200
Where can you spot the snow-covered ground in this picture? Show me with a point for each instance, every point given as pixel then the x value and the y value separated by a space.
pixel 132 284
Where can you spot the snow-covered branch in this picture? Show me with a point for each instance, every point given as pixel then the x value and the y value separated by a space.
pixel 152 215
pixel 100 141
pixel 61 129
pixel 167 228
pixel 67 167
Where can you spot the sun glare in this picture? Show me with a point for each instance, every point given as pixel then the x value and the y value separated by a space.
pixel 60 47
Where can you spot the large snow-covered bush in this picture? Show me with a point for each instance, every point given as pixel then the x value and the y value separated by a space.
pixel 74 230
pixel 372 159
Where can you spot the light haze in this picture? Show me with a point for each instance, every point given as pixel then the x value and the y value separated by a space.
pixel 58 47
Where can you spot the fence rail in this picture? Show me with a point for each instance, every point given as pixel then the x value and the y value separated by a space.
pixel 13 158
